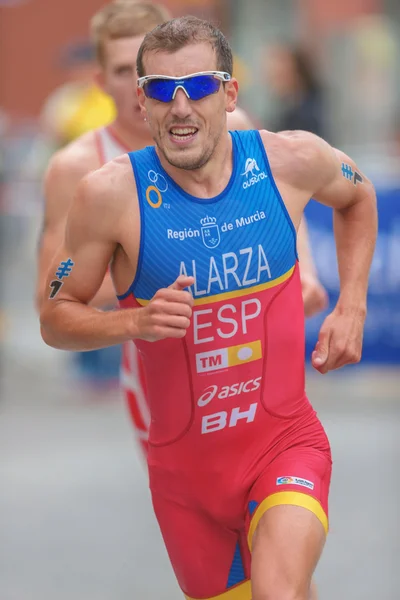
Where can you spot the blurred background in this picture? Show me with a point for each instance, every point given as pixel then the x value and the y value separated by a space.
pixel 75 513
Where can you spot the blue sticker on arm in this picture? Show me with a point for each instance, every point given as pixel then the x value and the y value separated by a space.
pixel 64 269
pixel 351 175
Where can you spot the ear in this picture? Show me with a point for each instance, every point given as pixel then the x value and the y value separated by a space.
pixel 231 94
pixel 142 102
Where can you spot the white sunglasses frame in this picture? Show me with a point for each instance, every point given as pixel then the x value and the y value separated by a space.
pixel 222 75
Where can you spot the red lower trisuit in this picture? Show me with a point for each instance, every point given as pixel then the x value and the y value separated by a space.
pixel 232 434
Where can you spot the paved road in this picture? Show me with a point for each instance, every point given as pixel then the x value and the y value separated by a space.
pixel 75 515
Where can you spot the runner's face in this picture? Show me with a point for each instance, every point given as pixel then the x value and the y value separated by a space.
pixel 119 79
pixel 206 118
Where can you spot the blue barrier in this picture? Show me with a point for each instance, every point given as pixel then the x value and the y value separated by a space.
pixel 382 328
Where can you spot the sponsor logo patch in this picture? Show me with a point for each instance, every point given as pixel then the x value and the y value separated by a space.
pixel 291 480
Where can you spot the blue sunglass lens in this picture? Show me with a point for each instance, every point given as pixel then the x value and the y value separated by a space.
pixel 160 89
pixel 197 87
pixel 201 86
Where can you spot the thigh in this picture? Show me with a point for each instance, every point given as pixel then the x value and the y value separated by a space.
pixel 287 545
pixel 298 477
pixel 205 555
pixel 287 522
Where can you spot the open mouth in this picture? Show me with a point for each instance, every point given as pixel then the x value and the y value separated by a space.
pixel 183 134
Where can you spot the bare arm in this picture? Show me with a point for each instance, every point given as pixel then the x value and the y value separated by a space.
pixel 355 223
pixel 352 196
pixel 93 232
pixel 61 180
pixel 89 243
pixel 329 176
pixel 57 200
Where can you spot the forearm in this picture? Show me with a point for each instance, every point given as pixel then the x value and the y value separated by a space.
pixel 355 230
pixel 74 326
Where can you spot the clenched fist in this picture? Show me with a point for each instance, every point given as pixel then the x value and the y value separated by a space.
pixel 340 340
pixel 168 313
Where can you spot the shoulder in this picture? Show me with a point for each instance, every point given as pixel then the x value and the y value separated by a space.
pixel 73 161
pixel 103 201
pixel 239 119
pixel 64 171
pixel 109 186
pixel 301 158
pixel 303 145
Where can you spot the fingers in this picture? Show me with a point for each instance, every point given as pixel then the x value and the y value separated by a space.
pixel 174 296
pixel 163 325
pixel 164 306
pixel 169 312
pixel 158 322
pixel 341 354
pixel 164 332
pixel 339 344
pixel 319 357
pixel 171 321
pixel 182 282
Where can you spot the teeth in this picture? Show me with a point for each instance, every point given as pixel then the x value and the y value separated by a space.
pixel 185 131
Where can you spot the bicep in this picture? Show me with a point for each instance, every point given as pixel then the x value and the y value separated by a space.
pixel 58 198
pixel 80 264
pixel 51 235
pixel 50 240
pixel 346 181
pixel 59 187
pixel 78 270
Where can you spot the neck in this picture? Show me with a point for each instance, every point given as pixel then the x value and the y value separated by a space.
pixel 211 179
pixel 130 137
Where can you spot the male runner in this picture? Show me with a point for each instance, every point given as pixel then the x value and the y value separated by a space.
pixel 117 32
pixel 201 235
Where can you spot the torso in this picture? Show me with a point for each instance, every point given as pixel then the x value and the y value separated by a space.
pixel 247 331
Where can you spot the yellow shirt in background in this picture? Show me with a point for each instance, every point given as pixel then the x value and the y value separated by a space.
pixel 82 110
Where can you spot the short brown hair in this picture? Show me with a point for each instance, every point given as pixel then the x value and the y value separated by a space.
pixel 124 18
pixel 182 31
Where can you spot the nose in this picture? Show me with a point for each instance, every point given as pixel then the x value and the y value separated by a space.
pixel 181 106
